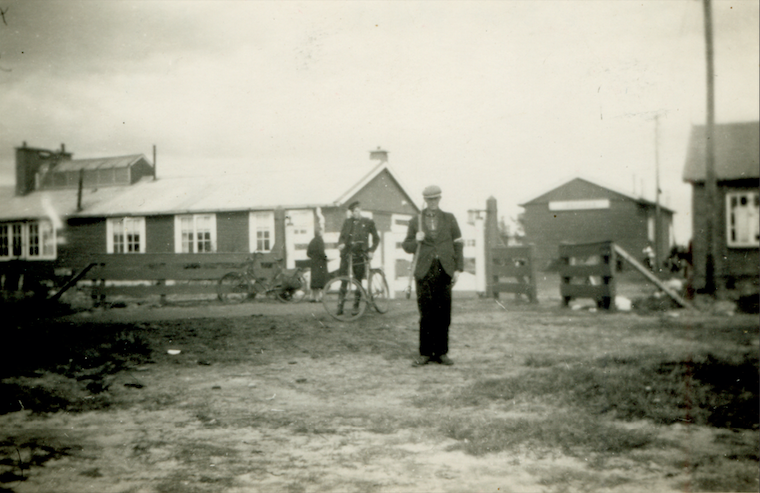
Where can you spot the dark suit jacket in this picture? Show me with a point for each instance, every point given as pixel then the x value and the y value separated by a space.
pixel 448 245
pixel 355 235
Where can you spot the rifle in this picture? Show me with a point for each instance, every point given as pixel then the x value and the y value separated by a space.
pixel 413 266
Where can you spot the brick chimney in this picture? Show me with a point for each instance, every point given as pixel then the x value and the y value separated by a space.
pixel 379 154
pixel 29 160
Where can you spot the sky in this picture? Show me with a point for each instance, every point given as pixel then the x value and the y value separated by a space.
pixel 503 99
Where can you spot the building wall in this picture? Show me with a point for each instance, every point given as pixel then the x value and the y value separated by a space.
pixel 140 169
pixel 383 193
pixel 625 223
pixel 232 232
pixel 739 262
pixel 159 234
pixel 81 236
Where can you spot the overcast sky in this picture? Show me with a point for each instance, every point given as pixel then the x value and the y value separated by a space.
pixel 505 99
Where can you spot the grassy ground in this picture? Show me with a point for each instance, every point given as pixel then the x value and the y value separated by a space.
pixel 540 399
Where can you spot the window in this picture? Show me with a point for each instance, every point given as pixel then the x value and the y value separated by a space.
pixel 28 240
pixel 195 234
pixel 743 228
pixel 261 231
pixel 125 235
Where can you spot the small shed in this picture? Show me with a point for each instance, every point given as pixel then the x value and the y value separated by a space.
pixel 737 170
pixel 581 211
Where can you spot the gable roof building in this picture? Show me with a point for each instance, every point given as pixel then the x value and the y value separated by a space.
pixel 582 211
pixel 64 208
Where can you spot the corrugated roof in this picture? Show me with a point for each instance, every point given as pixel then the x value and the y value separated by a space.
pixel 98 163
pixel 737 152
pixel 281 186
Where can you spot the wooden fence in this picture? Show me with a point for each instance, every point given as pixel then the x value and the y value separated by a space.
pixel 513 270
pixel 143 275
pixel 588 271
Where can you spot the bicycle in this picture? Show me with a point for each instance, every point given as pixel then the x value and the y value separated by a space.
pixel 287 285
pixel 349 291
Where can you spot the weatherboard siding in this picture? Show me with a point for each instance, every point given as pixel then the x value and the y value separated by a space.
pixel 232 232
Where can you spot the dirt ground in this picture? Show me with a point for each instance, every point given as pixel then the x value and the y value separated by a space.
pixel 268 397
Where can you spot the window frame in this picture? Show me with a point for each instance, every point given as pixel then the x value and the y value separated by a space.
pixel 194 219
pixel 263 220
pixel 752 219
pixel 111 223
pixel 28 240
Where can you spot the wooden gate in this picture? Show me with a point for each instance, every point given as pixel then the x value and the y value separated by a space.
pixel 587 270
pixel 513 270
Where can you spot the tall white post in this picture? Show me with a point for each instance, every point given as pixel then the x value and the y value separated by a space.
pixel 389 261
pixel 480 255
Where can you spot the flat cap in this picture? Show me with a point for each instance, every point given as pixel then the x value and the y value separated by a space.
pixel 431 192
pixel 353 205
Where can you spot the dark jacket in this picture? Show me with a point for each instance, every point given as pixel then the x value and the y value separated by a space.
pixel 447 245
pixel 316 252
pixel 355 235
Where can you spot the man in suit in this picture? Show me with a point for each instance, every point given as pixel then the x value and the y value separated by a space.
pixel 354 242
pixel 439 262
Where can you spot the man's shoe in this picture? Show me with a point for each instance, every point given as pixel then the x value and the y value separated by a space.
pixel 445 360
pixel 421 361
pixel 340 311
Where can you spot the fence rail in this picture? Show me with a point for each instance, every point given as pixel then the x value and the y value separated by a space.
pixel 587 270
pixel 143 275
pixel 516 263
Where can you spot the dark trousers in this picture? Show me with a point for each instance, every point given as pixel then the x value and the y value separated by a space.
pixel 434 304
pixel 358 269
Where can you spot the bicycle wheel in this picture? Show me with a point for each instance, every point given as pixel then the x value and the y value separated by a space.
pixel 293 295
pixel 232 288
pixel 349 305
pixel 378 291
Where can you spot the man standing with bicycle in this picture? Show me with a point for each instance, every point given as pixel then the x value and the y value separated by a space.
pixel 437 243
pixel 354 243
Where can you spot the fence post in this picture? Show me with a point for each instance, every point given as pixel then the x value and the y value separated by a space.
pixel 480 256
pixel 533 294
pixel 492 240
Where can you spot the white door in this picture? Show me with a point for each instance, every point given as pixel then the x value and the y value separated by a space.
pixel 299 231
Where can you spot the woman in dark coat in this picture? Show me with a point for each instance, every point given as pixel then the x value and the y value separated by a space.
pixel 316 252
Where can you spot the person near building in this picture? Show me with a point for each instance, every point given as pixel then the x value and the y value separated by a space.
pixel 316 252
pixel 354 243
pixel 438 246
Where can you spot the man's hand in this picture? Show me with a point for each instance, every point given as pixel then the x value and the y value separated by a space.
pixel 370 254
pixel 341 246
pixel 455 278
pixel 420 236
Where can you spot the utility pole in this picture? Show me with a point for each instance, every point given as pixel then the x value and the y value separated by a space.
pixel 713 263
pixel 657 213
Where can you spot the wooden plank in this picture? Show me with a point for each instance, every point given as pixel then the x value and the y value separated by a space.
pixel 649 275
pixel 142 291
pixel 172 266
pixel 601 270
pixel 138 273
pixel 585 250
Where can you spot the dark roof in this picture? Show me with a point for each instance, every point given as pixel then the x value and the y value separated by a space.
pixel 570 189
pixel 737 152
